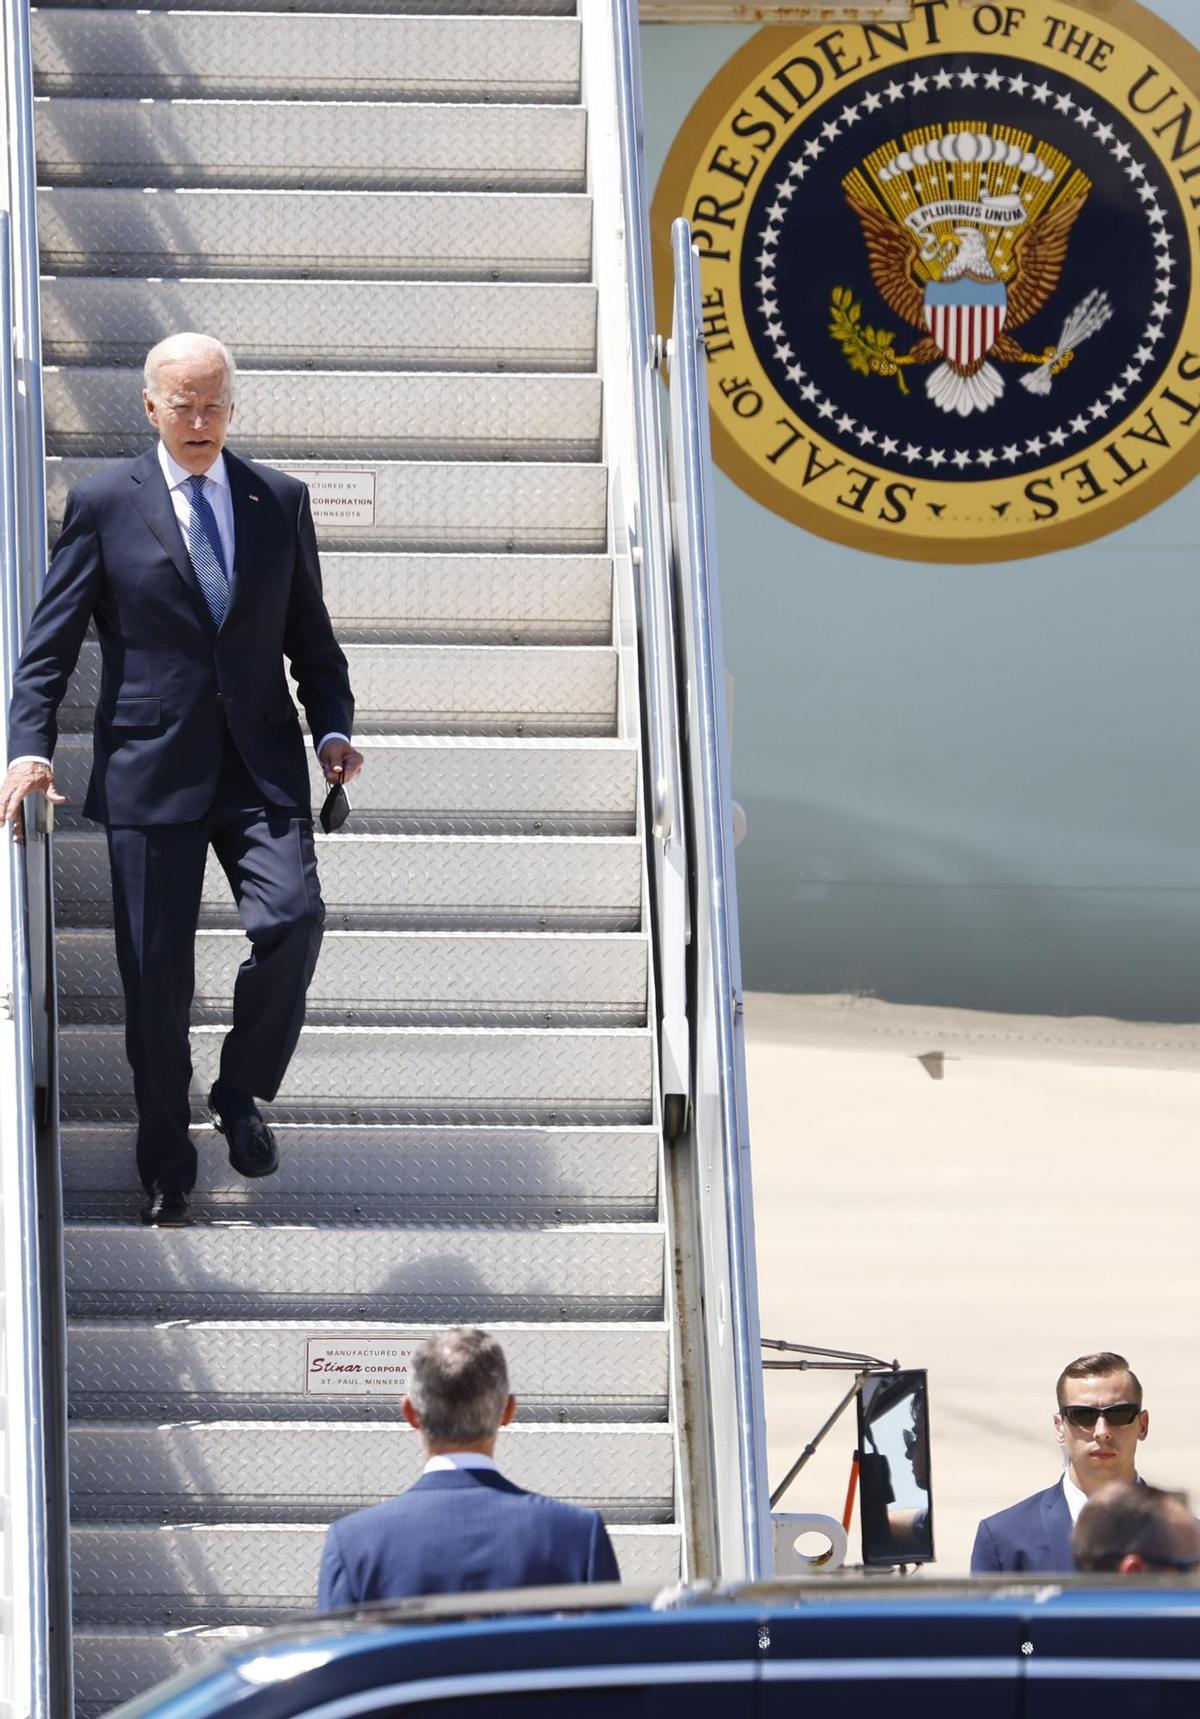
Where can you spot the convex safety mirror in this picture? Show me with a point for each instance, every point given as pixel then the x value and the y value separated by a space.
pixel 895 1491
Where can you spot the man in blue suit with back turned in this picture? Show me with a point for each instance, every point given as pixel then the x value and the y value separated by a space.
pixel 1099 1423
pixel 462 1527
pixel 200 573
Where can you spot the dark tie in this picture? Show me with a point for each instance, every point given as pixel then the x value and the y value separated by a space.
pixel 207 557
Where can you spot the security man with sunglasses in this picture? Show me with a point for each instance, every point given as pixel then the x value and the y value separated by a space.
pixel 1099 1423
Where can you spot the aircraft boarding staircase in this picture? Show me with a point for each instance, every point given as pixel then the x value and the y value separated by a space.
pixel 390 216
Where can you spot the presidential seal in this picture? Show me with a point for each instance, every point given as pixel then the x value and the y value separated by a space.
pixel 949 273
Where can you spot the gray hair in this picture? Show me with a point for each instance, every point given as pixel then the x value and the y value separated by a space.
pixel 1126 1517
pixel 459 1386
pixel 177 346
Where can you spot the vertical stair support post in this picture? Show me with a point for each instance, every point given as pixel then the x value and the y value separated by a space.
pixel 719 1131
pixel 651 554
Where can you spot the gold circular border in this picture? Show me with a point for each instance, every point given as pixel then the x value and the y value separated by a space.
pixel 698 129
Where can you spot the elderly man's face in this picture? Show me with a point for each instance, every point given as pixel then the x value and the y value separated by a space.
pixel 1104 1450
pixel 193 409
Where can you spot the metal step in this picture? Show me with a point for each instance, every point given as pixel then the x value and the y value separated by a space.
pixel 347 235
pixel 116 1662
pixel 213 54
pixel 440 1275
pixel 283 414
pixel 442 784
pixel 309 1471
pixel 310 145
pixel 509 883
pixel 464 1075
pixel 406 8
pixel 446 689
pixel 457 507
pixel 198 1370
pixel 254 1573
pixel 360 325
pixel 440 978
pixel 465 599
pixel 370 1174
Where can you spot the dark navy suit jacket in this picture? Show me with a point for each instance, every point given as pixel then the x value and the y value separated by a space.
pixel 459 1531
pixel 1032 1535
pixel 170 678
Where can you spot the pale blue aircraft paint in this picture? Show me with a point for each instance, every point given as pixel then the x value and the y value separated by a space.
pixel 971 786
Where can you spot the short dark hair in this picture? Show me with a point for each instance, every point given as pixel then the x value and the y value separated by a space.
pixel 1098 1366
pixel 1125 1517
pixel 459 1386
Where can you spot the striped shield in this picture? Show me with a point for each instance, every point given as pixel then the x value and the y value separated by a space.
pixel 965 318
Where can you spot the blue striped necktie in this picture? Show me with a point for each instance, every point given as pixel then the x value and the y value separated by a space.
pixel 207 556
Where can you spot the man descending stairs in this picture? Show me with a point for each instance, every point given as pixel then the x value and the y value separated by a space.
pixel 385 217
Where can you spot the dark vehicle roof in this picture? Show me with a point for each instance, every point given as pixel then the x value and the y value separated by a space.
pixel 829 1630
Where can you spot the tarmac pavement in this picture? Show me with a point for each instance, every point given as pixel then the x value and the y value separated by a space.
pixel 1025 1194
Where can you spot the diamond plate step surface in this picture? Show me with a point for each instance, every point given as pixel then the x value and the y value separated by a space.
pixel 442 1275
pixel 363 1173
pixel 446 978
pixel 434 882
pixel 435 785
pixel 433 506
pixel 431 689
pixel 405 8
pixel 311 145
pixel 520 599
pixel 254 1574
pixel 353 325
pixel 289 414
pixel 403 1074
pixel 208 1370
pixel 397 235
pixel 293 1471
pixel 116 1662
pixel 222 54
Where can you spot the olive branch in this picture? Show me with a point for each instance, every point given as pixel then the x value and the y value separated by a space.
pixel 869 351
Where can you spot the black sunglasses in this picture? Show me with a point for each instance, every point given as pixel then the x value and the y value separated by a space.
pixel 1171 1563
pixel 1085 1416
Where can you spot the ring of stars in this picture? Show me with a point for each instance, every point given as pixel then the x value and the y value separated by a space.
pixel 1044 95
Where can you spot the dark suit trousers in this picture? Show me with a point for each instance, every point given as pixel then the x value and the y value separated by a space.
pixel 158 874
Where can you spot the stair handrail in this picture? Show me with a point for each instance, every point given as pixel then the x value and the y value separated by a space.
pixel 720 1129
pixel 30 1225
pixel 652 551
pixel 25 1574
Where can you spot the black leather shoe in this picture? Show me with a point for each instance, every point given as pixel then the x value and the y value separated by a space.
pixel 171 1211
pixel 252 1148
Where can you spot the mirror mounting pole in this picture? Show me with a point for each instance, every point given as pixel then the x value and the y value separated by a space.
pixel 808 1358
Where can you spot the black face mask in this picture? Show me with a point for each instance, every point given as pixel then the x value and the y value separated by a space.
pixel 336 809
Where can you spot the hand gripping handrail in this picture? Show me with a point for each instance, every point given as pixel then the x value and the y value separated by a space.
pixel 721 1126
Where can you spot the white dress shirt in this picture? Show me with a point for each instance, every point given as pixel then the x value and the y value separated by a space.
pixel 458 1459
pixel 1076 1497
pixel 216 493
pixel 219 497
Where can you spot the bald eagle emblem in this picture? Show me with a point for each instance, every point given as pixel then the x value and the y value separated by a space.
pixel 967 230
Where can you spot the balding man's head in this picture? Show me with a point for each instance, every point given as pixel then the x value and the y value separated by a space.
pixel 1128 1527
pixel 188 395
